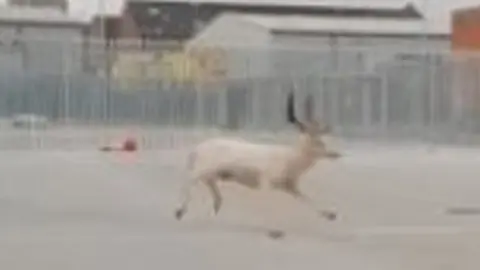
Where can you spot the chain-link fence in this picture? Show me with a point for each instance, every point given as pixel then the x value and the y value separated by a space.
pixel 132 85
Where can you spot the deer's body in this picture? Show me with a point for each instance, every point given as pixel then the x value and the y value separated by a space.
pixel 254 165
pixel 240 160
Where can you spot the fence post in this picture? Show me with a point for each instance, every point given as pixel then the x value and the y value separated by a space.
pixel 384 117
pixel 66 88
pixel 336 103
pixel 432 95
pixel 366 108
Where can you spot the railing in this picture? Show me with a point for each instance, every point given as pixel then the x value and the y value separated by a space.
pixel 432 97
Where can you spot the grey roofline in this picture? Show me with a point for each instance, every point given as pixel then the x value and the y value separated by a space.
pixel 392 5
pixel 403 6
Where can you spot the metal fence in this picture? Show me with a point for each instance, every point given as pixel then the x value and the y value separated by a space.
pixel 412 96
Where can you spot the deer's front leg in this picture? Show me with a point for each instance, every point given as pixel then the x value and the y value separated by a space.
pixel 328 214
pixel 291 188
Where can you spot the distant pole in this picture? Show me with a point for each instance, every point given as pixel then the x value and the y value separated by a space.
pixel 430 70
pixel 101 12
pixel 102 72
pixel 425 25
pixel 104 44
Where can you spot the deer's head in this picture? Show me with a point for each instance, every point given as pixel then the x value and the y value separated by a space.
pixel 311 129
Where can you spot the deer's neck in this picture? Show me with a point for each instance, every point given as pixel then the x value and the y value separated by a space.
pixel 303 159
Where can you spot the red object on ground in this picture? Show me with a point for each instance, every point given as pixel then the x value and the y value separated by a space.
pixel 130 145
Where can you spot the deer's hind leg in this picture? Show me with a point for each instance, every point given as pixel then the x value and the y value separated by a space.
pixel 210 182
pixel 244 176
pixel 215 193
pixel 185 198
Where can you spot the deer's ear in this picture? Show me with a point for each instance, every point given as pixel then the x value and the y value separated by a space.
pixel 301 127
pixel 309 107
pixel 291 117
pixel 320 128
pixel 310 116
pixel 291 108
pixel 325 129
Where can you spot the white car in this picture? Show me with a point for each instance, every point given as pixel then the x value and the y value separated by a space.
pixel 29 121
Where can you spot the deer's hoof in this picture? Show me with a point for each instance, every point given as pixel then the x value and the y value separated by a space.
pixel 335 155
pixel 276 234
pixel 179 213
pixel 329 215
pixel 216 208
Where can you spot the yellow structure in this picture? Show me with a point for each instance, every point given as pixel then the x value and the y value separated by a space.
pixel 131 65
pixel 196 66
pixel 210 64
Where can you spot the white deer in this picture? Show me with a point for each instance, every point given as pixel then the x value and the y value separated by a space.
pixel 257 166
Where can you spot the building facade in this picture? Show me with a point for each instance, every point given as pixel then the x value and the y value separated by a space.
pixel 466 29
pixel 41 40
pixel 180 20
pixel 155 23
pixel 60 4
pixel 277 45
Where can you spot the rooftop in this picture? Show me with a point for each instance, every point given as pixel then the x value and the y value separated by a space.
pixel 39 15
pixel 383 26
pixel 374 8
pixel 370 4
